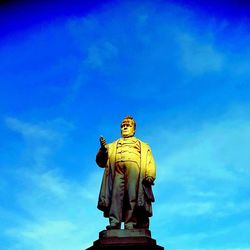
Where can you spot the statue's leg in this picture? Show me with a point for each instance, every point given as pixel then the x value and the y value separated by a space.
pixel 131 187
pixel 115 214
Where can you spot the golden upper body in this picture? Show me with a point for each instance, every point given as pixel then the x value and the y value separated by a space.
pixel 128 149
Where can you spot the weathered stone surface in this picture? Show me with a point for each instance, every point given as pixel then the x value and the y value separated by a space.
pixel 126 240
pixel 125 233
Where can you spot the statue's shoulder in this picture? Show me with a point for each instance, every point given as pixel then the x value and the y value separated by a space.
pixel 112 144
pixel 143 144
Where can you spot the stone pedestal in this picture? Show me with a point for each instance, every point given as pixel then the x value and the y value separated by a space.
pixel 125 240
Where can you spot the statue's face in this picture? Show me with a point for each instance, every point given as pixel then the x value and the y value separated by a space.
pixel 127 128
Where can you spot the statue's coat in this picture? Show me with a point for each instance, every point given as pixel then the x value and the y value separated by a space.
pixel 147 168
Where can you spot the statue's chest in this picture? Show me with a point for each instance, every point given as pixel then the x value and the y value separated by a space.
pixel 128 151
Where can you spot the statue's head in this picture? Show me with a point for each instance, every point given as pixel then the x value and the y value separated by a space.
pixel 128 127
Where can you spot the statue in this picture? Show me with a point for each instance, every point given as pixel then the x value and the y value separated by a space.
pixel 126 189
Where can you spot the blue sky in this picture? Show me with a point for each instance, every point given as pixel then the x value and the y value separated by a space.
pixel 70 73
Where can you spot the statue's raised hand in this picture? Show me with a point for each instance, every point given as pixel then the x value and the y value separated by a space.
pixel 102 143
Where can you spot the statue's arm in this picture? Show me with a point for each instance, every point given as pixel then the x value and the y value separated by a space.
pixel 151 169
pixel 102 158
pixel 102 154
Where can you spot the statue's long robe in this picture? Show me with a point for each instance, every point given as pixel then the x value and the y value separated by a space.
pixel 147 168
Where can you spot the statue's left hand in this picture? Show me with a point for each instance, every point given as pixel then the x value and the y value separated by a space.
pixel 149 180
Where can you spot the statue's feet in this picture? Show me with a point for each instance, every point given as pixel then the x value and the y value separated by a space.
pixel 109 227
pixel 130 226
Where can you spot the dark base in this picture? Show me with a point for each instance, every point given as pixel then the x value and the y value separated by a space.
pixel 125 240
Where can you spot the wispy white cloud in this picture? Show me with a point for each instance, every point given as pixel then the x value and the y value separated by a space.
pixel 48 182
pixel 49 228
pixel 29 129
pixel 42 235
pixel 41 139
pixel 51 129
pixel 186 209
pixel 195 240
pixel 199 57
pixel 98 54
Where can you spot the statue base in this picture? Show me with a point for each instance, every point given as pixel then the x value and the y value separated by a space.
pixel 125 240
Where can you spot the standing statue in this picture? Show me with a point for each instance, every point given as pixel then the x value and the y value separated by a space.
pixel 126 189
